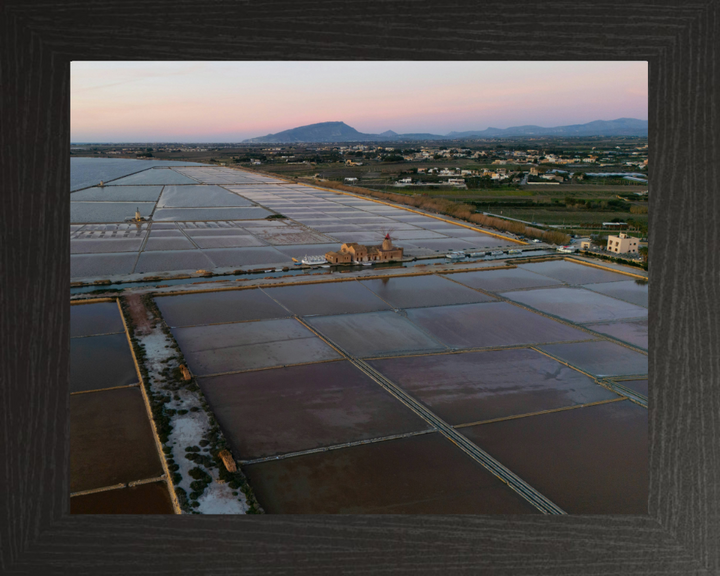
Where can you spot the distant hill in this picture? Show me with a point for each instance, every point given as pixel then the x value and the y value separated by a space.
pixel 619 127
pixel 341 132
pixel 322 132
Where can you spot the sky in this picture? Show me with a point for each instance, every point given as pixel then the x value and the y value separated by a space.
pixel 232 101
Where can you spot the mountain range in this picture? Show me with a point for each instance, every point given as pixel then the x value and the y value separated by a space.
pixel 341 132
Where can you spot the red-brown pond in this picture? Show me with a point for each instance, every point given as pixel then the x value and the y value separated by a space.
pixel 591 460
pixel 502 280
pixel 217 307
pixel 601 358
pixel 333 298
pixel 100 318
pixel 375 334
pixel 419 291
pixel 637 385
pixel 283 410
pixel 631 331
pixel 490 324
pixel 98 362
pixel 110 440
pixel 250 346
pixel 150 498
pixel 424 474
pixel 462 388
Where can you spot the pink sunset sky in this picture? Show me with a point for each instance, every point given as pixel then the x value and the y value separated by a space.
pixel 232 101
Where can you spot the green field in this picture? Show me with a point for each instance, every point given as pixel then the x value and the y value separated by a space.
pixel 568 216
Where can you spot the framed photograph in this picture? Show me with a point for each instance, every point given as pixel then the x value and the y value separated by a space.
pixel 358 302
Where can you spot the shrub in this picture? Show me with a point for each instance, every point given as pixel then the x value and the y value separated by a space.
pixel 198 473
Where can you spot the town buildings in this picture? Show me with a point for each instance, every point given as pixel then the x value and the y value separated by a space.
pixel 622 244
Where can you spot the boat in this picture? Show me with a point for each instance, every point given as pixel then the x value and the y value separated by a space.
pixel 313 260
pixel 497 253
pixel 514 251
pixel 456 255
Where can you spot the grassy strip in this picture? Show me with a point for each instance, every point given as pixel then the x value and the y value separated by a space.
pixel 458 210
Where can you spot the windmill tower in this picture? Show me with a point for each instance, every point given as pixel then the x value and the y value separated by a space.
pixel 388 251
pixel 387 242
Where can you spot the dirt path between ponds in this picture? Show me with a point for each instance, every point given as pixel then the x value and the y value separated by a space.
pixel 139 314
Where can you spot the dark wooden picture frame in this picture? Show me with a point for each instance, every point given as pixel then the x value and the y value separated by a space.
pixel 680 534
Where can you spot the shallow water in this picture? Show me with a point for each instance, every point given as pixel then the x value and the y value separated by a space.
pixel 374 334
pixel 462 388
pixel 152 498
pixel 237 257
pixel 330 298
pixel 637 385
pixel 85 212
pixel 573 273
pixel 166 261
pixel 502 280
pixel 110 440
pixel 590 460
pixel 227 241
pixel 420 475
pixel 419 291
pixel 217 307
pixel 88 171
pixel 99 318
pixel 203 214
pixel 577 304
pixel 249 346
pixel 167 243
pixel 92 265
pixel 630 291
pixel 118 194
pixel 601 358
pixel 98 362
pixel 199 196
pixel 106 245
pixel 633 331
pixel 302 407
pixel 165 177
pixel 490 324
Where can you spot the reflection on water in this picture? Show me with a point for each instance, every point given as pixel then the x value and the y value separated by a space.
pixel 101 362
pixel 463 388
pixel 89 171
